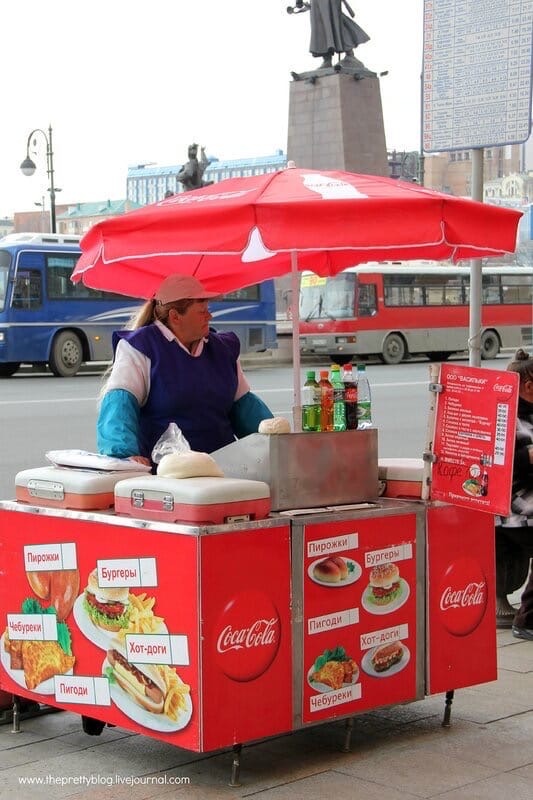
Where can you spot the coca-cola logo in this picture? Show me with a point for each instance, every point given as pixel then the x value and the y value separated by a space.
pixel 247 636
pixel 463 596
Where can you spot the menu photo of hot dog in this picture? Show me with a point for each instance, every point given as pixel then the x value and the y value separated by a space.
pixel 386 590
pixel 386 659
pixel 153 695
pixel 334 571
pixel 33 663
pixel 332 670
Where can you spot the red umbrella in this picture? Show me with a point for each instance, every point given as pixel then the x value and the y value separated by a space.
pixel 244 230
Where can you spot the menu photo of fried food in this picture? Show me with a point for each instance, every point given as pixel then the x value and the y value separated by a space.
pixel 332 670
pixel 33 663
pixel 104 612
pixel 334 571
pixel 154 695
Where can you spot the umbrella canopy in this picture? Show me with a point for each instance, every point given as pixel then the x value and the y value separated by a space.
pixel 245 230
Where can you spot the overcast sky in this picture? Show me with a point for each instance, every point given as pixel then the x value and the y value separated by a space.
pixel 124 82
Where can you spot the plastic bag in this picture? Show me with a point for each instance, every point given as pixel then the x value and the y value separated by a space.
pixel 171 441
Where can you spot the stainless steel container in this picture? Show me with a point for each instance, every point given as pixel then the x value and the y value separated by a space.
pixel 307 470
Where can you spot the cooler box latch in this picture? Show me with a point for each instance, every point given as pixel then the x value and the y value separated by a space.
pixel 138 500
pixel 49 490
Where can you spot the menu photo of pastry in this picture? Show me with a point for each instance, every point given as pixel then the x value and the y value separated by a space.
pixel 332 670
pixel 334 571
pixel 33 663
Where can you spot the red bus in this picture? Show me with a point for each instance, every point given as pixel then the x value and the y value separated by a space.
pixel 398 309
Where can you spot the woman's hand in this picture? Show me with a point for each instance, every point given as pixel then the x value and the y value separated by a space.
pixel 141 460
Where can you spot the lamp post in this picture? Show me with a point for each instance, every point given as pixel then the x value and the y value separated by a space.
pixel 28 168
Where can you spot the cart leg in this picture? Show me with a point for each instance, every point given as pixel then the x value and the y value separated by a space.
pixel 236 766
pixel 348 727
pixel 16 715
pixel 448 708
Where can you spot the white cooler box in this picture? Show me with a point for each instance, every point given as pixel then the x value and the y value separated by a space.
pixel 61 487
pixel 198 501
pixel 403 477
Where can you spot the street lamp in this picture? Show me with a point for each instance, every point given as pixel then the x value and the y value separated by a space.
pixel 28 168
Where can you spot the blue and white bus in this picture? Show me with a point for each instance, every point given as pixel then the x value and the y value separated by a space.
pixel 47 319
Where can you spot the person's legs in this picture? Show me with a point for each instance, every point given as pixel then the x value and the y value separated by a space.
pixel 523 621
pixel 511 572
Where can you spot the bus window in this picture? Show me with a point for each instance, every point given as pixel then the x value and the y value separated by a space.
pixel 5 262
pixel 517 289
pixel 27 293
pixel 491 290
pixel 58 271
pixel 366 300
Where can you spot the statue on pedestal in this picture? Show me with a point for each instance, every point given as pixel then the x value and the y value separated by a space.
pixel 332 31
pixel 190 175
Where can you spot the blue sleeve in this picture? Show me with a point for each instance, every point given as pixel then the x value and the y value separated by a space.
pixel 117 427
pixel 246 414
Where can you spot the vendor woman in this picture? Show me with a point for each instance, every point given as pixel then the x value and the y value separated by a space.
pixel 171 367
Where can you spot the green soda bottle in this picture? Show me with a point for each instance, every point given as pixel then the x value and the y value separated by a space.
pixel 311 403
pixel 339 409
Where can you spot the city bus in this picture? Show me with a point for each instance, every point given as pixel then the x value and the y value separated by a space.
pixel 395 310
pixel 47 319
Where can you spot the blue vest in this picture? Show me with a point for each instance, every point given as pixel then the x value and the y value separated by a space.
pixel 195 393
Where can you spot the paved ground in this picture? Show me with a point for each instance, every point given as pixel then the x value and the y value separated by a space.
pixel 399 753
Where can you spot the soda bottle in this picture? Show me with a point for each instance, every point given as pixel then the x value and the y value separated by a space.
pixel 311 403
pixel 339 413
pixel 326 402
pixel 364 399
pixel 350 397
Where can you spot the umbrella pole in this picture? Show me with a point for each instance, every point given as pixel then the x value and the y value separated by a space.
pixel 295 306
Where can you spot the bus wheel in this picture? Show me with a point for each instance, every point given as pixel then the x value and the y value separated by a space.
pixel 66 355
pixel 394 349
pixel 9 368
pixel 490 345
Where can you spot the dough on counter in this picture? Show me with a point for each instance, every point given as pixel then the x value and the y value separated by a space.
pixel 274 425
pixel 189 465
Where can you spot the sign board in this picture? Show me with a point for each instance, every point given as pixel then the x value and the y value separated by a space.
pixel 476 82
pixel 475 424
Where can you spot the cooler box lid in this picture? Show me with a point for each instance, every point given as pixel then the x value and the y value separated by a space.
pixel 196 491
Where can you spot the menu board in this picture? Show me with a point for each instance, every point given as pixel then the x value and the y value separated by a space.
pixel 476 73
pixel 475 426
pixel 359 604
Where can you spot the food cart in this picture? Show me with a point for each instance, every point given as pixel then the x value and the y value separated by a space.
pixel 244 630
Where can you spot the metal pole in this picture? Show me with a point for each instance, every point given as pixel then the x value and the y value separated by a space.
pixel 474 339
pixel 50 169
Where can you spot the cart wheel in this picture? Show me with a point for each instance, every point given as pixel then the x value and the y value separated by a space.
pixel 93 727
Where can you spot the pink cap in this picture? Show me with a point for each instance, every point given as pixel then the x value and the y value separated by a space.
pixel 182 287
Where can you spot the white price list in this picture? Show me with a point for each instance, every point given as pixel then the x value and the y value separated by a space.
pixel 476 73
pixel 502 419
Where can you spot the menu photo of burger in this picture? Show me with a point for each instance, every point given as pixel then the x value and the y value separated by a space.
pixel 386 590
pixel 153 695
pixel 103 612
pixel 386 659
pixel 334 571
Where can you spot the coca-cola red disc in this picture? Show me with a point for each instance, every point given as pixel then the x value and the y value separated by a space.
pixel 463 596
pixel 247 636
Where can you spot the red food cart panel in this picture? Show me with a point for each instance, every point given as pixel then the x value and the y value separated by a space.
pixel 246 636
pixel 55 639
pixel 461 632
pixel 359 637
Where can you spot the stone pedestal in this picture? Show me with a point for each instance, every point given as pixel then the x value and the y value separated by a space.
pixel 336 121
